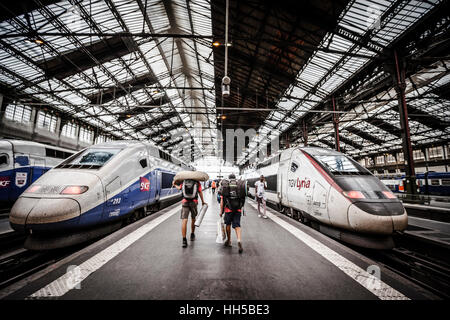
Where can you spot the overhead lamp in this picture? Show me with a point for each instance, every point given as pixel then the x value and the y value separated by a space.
pixel 36 40
pixel 216 43
pixel 223 117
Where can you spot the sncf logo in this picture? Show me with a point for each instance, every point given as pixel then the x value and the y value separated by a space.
pixel 299 184
pixel 145 184
pixel 4 182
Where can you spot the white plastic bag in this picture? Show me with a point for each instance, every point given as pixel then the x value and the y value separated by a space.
pixel 221 234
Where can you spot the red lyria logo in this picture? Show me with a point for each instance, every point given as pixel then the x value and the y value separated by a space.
pixel 299 184
pixel 303 183
pixel 145 184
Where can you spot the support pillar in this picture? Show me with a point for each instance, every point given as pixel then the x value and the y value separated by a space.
pixel 305 133
pixel 410 174
pixel 444 155
pixel 336 126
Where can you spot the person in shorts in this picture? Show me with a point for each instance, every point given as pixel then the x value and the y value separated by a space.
pixel 231 219
pixel 260 191
pixel 189 206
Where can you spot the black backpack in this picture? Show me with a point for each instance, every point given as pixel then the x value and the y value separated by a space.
pixel 234 192
pixel 190 189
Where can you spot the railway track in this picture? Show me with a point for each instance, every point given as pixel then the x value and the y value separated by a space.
pixel 17 263
pixel 420 260
pixel 429 269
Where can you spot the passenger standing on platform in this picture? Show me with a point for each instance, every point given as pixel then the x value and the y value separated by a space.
pixel 191 190
pixel 213 186
pixel 232 200
pixel 260 191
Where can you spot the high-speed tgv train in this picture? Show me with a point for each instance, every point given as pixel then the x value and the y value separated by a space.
pixel 332 192
pixel 93 192
pixel 22 163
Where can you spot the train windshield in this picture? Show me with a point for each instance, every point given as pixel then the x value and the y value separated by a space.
pixel 92 157
pixel 339 164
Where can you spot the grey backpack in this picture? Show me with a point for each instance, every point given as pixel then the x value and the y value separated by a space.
pixel 190 189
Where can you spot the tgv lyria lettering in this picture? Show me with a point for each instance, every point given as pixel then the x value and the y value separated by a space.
pixel 299 184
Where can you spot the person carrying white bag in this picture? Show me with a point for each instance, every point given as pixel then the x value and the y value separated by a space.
pixel 221 235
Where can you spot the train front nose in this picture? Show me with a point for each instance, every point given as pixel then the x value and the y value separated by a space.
pixel 40 214
pixel 377 217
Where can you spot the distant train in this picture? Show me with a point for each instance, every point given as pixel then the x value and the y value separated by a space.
pixel 334 193
pixel 93 192
pixel 428 183
pixel 22 163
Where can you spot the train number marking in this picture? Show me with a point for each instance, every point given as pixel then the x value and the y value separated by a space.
pixel 116 201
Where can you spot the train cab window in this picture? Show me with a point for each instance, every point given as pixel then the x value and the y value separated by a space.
pixel 91 158
pixel 294 167
pixel 339 164
pixel 143 163
pixel 4 159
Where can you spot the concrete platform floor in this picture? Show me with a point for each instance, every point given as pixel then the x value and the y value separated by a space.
pixel 282 259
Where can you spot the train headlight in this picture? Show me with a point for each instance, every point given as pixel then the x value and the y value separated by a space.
pixel 74 190
pixel 353 194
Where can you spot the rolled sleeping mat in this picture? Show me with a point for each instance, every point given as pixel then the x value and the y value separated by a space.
pixel 201 215
pixel 190 175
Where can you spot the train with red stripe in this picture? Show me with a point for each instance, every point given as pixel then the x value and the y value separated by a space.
pixel 333 193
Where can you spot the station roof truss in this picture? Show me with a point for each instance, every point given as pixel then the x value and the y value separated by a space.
pixel 148 69
pixel 354 65
pixel 95 61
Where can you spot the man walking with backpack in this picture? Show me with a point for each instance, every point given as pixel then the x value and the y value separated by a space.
pixel 191 190
pixel 231 202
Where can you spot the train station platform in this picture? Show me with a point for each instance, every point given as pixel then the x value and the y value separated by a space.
pixel 282 259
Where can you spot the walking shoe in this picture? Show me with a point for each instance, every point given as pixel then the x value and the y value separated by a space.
pixel 259 216
pixel 192 236
pixel 265 217
pixel 184 242
pixel 240 247
pixel 227 243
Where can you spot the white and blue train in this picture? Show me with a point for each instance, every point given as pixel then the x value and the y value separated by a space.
pixel 22 163
pixel 428 183
pixel 94 191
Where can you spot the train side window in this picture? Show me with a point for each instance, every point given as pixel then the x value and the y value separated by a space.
pixel 143 163
pixel 294 167
pixel 4 160
pixel 434 182
pixel 445 182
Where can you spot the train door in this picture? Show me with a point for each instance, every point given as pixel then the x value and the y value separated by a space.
pixel 298 181
pixel 282 183
pixel 319 202
pixel 140 193
pixel 21 176
pixel 113 200
pixel 283 176
pixel 158 185
pixel 37 169
pixel 6 174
